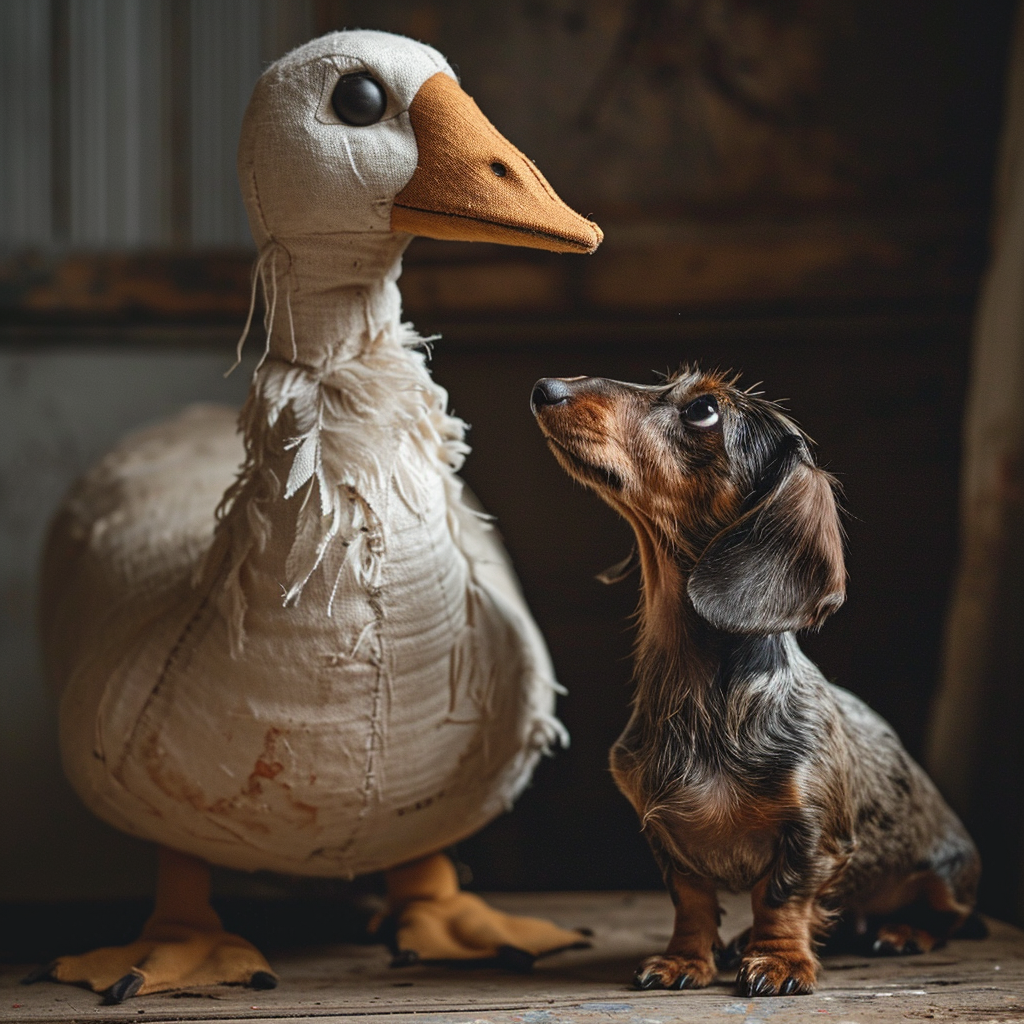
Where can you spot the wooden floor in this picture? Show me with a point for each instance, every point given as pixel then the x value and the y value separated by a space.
pixel 979 981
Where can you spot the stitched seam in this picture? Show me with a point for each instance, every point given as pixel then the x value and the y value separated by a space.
pixel 259 206
pixel 168 665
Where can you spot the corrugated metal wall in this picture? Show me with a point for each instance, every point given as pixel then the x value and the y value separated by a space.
pixel 119 118
pixel 26 215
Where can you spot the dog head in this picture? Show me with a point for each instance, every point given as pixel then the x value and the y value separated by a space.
pixel 719 486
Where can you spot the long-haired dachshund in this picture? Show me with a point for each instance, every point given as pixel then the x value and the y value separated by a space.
pixel 750 771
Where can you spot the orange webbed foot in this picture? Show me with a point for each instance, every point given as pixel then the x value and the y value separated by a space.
pixel 435 921
pixel 165 958
pixel 182 945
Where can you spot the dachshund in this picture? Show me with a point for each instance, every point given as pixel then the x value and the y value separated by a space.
pixel 748 769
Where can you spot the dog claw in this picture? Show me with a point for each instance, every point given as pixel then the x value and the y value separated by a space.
pixel 776 976
pixel 758 985
pixel 883 947
pixel 675 972
pixel 124 988
pixel 263 980
pixel 762 985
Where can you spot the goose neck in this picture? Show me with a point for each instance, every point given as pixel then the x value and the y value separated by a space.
pixel 327 297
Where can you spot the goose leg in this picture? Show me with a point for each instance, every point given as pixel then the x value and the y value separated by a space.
pixel 437 921
pixel 182 944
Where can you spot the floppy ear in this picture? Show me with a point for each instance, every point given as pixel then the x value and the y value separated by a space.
pixel 780 566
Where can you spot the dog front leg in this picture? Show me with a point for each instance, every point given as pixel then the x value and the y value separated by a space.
pixel 779 958
pixel 689 960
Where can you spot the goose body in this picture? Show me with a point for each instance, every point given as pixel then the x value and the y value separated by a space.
pixel 315 743
pixel 288 643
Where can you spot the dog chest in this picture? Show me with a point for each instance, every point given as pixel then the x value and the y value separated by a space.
pixel 710 821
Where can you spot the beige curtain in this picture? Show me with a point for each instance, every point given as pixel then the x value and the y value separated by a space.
pixel 976 742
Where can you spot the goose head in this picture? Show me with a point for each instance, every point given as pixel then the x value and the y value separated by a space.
pixel 354 143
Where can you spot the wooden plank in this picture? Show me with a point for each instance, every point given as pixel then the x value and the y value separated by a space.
pixel 977 980
pixel 680 266
pixel 113 287
pixel 650 268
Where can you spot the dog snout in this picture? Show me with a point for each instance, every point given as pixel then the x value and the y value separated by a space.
pixel 549 391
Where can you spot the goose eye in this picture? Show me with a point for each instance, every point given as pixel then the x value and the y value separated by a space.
pixel 359 99
pixel 702 412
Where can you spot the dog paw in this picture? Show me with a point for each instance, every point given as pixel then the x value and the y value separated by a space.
pixel 902 940
pixel 776 974
pixel 669 971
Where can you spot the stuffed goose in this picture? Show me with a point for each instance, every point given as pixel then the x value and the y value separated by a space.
pixel 319 663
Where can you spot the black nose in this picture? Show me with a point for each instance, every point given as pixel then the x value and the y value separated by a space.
pixel 549 391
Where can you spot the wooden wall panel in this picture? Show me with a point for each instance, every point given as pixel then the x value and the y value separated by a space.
pixel 639 111
pixel 640 270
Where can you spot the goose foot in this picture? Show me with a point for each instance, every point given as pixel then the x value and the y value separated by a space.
pixel 164 958
pixel 181 946
pixel 433 921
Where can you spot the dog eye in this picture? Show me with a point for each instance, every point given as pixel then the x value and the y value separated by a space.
pixel 702 412
pixel 359 99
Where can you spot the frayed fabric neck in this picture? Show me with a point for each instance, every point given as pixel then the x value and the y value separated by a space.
pixel 325 297
pixel 259 281
pixel 323 446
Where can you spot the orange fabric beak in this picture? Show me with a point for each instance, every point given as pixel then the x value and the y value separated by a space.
pixel 471 184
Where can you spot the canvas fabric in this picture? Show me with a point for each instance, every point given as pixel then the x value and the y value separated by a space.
pixel 336 672
pixel 473 184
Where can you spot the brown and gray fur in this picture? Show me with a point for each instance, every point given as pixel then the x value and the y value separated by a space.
pixel 748 769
